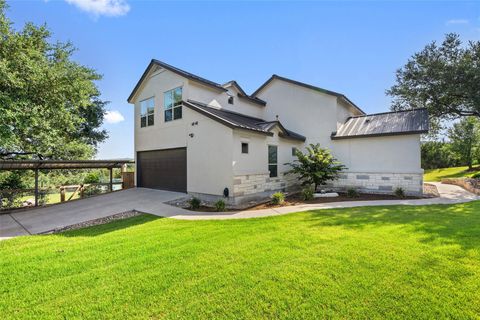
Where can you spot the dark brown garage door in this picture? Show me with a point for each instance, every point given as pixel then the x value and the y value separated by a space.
pixel 163 169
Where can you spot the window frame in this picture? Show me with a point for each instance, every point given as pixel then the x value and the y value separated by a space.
pixel 275 164
pixel 294 151
pixel 148 113
pixel 247 146
pixel 173 108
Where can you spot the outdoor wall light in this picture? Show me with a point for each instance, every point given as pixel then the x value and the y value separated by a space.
pixel 226 192
pixel 195 123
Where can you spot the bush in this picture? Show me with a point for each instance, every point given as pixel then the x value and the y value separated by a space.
pixel 194 203
pixel 220 205
pixel 307 194
pixel 399 192
pixel 476 176
pixel 278 198
pixel 352 193
pixel 92 177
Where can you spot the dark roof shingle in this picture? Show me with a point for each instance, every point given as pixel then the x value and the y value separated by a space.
pixel 237 120
pixel 384 124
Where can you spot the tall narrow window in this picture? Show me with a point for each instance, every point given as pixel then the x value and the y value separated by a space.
pixel 244 147
pixel 147 111
pixel 272 161
pixel 172 102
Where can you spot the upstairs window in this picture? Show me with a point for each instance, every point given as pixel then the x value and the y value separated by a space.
pixel 230 100
pixel 172 103
pixel 273 161
pixel 147 110
pixel 244 147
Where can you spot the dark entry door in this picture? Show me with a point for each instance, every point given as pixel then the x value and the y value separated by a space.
pixel 163 169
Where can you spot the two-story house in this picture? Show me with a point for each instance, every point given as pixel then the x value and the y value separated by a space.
pixel 212 140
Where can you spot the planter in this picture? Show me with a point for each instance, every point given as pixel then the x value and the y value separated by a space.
pixel 325 195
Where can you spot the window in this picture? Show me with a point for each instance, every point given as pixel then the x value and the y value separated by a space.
pixel 147 109
pixel 294 151
pixel 230 100
pixel 272 161
pixel 172 102
pixel 244 147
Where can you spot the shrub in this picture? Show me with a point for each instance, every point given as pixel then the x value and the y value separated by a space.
pixel 316 166
pixel 194 203
pixel 399 192
pixel 92 177
pixel 476 176
pixel 278 198
pixel 220 205
pixel 307 194
pixel 352 193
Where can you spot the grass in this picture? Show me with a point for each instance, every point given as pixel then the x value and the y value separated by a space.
pixel 52 197
pixel 454 172
pixel 378 262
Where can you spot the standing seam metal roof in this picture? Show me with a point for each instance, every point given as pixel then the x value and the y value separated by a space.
pixel 384 124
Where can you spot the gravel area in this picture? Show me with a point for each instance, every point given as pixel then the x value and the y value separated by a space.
pixel 95 222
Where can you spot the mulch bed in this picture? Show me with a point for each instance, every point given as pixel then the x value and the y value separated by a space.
pixel 296 200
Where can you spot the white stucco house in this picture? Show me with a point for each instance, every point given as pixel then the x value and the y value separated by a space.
pixel 208 139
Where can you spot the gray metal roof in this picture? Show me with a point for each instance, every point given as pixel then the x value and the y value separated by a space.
pixel 240 121
pixel 61 164
pixel 384 124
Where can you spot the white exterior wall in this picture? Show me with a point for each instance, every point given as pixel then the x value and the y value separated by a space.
pixel 208 152
pixel 308 112
pixel 219 99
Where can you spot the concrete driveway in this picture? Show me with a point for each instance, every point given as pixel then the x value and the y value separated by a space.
pixel 41 220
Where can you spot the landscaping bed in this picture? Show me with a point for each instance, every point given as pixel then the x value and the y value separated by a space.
pixel 296 199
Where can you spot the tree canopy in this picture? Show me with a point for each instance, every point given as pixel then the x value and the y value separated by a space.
pixel 443 78
pixel 49 104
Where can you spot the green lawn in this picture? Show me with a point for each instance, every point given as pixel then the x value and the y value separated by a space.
pixel 384 262
pixel 455 172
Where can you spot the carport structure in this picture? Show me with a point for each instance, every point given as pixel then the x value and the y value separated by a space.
pixel 37 165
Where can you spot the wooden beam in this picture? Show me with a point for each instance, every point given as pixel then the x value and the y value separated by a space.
pixel 36 187
pixel 111 180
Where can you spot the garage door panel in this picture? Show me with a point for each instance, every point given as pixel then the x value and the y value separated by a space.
pixel 163 169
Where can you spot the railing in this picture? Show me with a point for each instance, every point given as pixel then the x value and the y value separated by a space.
pixel 23 198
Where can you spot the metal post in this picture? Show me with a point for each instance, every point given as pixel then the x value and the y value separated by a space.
pixel 36 187
pixel 111 180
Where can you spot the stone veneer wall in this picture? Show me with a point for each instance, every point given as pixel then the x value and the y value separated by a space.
pixel 256 186
pixel 385 183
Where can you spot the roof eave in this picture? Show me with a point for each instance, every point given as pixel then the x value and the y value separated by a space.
pixel 404 133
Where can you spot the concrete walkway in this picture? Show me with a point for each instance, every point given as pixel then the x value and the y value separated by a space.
pixel 151 201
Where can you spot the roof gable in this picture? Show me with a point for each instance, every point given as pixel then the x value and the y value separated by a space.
pixel 308 86
pixel 175 70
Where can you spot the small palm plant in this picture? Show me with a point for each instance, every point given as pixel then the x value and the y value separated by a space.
pixel 316 166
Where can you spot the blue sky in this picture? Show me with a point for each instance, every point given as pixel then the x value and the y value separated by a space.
pixel 349 47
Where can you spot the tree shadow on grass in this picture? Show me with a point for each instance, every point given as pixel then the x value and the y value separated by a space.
pixel 112 226
pixel 457 224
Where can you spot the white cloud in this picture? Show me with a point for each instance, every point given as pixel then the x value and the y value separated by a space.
pixel 457 21
pixel 111 8
pixel 113 117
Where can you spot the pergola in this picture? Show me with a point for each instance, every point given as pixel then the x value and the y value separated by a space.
pixel 37 165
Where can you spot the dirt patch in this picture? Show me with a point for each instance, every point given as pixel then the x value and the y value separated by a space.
pixel 95 222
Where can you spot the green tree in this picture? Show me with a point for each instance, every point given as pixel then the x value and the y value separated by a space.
pixel 464 136
pixel 316 166
pixel 439 154
pixel 49 104
pixel 443 78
